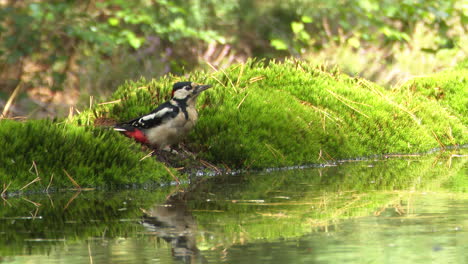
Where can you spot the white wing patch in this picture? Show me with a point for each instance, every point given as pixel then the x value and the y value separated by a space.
pixel 155 115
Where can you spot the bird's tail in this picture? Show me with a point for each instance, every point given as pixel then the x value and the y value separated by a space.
pixel 131 132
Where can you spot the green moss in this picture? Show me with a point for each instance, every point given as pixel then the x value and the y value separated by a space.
pixel 92 157
pixel 290 113
pixel 449 88
pixel 257 115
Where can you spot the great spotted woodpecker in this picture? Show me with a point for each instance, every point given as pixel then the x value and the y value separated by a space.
pixel 169 122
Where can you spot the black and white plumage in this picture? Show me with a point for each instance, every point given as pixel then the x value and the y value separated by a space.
pixel 170 122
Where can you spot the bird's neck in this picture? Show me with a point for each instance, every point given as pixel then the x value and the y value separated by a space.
pixel 184 103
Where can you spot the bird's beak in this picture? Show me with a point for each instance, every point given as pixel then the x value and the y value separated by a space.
pixel 201 87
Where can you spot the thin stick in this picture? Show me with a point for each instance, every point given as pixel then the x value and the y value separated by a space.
pixel 50 182
pixel 438 140
pixel 90 255
pixel 33 181
pixel 72 199
pixel 3 194
pixel 111 102
pixel 341 100
pixel 240 74
pixel 242 101
pixel 172 174
pixel 27 200
pixel 206 163
pixel 35 168
pixel 148 155
pixel 72 180
pixel 12 98
pixel 5 189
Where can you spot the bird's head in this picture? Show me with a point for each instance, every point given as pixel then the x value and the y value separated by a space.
pixel 187 90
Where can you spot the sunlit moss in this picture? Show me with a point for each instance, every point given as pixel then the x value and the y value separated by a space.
pixel 449 88
pixel 261 115
pixel 92 157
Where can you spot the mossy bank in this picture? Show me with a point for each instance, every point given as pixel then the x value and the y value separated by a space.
pixel 257 115
pixel 261 115
pixel 49 155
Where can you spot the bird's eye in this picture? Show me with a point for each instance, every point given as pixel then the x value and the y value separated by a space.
pixel 188 88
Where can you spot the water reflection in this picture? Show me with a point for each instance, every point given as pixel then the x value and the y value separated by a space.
pixel 414 208
pixel 173 222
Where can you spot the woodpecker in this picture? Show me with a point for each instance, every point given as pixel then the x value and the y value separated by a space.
pixel 170 121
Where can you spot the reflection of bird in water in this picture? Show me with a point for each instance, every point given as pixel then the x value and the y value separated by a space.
pixel 173 222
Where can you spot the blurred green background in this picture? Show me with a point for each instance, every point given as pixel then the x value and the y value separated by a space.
pixel 56 53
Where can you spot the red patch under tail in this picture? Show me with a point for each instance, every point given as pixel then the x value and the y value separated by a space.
pixel 137 135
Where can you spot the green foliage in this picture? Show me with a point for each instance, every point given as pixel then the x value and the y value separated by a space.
pixel 93 157
pixel 292 113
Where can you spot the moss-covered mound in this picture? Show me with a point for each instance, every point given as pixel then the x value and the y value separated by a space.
pixel 290 113
pixel 449 88
pixel 257 115
pixel 91 157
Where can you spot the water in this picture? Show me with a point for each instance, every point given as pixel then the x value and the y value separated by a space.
pixel 398 210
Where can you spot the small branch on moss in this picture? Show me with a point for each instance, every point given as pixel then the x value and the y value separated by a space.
pixel 438 140
pixel 147 155
pixel 27 200
pixel 72 180
pixel 341 99
pixel 111 102
pixel 240 74
pixel 91 101
pixel 209 165
pixel 3 194
pixel 256 79
pixel 33 181
pixel 172 174
pixel 274 150
pixel 35 168
pixel 72 199
pixel 225 74
pixel 50 182
pixel 242 101
pixel 222 84
pixel 12 98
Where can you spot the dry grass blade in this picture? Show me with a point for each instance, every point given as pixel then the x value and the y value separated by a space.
pixel 274 150
pixel 12 98
pixel 89 253
pixel 3 194
pixel 33 181
pixel 35 168
pixel 225 74
pixel 110 102
pixel 211 66
pixel 438 140
pixel 256 79
pixel 147 155
pixel 50 182
pixel 240 73
pixel 242 101
pixel 341 99
pixel 209 165
pixel 72 180
pixel 27 200
pixel 172 174
pixel 72 199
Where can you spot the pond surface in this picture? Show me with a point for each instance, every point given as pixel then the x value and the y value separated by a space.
pixel 393 210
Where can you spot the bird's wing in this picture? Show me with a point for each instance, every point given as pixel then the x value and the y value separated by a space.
pixel 156 117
